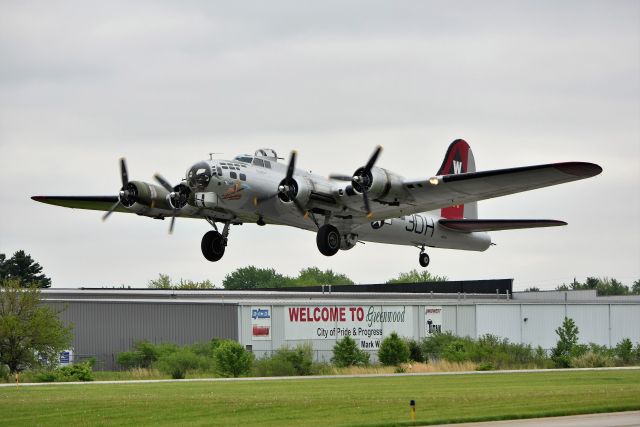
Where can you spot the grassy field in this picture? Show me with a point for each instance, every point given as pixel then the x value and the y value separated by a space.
pixel 344 401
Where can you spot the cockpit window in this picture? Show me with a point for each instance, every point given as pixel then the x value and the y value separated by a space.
pixel 199 176
pixel 244 159
pixel 258 162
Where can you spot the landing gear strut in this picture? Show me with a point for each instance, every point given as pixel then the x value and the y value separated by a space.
pixel 328 240
pixel 214 243
pixel 424 259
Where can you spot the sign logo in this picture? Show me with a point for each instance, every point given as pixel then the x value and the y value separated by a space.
pixel 260 313
pixel 261 323
pixel 366 324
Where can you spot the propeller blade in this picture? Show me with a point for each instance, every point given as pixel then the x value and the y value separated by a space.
pixel 173 221
pixel 112 210
pixel 292 165
pixel 163 182
pixel 123 172
pixel 339 177
pixel 373 159
pixel 367 205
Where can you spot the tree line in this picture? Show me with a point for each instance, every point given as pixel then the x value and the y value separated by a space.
pixel 604 286
pixel 251 277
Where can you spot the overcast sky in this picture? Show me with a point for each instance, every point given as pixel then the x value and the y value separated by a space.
pixel 165 83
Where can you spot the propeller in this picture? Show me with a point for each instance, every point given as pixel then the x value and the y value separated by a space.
pixel 288 187
pixel 128 193
pixel 363 179
pixel 288 190
pixel 178 197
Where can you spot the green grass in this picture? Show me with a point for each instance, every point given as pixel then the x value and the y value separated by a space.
pixel 347 401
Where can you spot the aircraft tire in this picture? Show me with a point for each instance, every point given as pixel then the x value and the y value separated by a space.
pixel 213 246
pixel 328 240
pixel 424 259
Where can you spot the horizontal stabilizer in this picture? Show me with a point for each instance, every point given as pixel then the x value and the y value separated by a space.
pixel 470 225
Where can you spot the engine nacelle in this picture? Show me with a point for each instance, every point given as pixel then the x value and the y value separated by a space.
pixel 297 188
pixel 379 183
pixel 141 197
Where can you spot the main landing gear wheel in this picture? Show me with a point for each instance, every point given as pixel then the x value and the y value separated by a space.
pixel 424 259
pixel 213 246
pixel 328 240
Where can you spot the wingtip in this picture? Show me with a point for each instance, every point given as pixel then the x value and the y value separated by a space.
pixel 581 169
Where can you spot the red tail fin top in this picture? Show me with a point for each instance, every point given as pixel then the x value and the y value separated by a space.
pixel 457 160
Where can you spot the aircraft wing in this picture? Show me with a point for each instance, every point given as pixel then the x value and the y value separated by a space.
pixel 458 189
pixel 96 203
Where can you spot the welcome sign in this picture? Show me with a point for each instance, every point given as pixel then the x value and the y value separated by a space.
pixel 366 324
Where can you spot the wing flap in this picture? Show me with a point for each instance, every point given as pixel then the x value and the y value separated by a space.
pixel 471 225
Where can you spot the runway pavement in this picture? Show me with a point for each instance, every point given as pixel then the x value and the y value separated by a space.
pixel 611 419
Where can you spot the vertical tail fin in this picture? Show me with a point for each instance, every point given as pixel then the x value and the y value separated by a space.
pixel 459 159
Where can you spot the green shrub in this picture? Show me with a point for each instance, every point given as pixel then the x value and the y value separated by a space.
pixel 457 351
pixel 75 372
pixel 433 346
pixel 128 359
pixel 91 361
pixel 45 377
pixel 232 360
pixel 624 351
pixel 592 360
pixel 143 355
pixel 564 350
pixel 499 352
pixel 540 358
pixel 301 357
pixel 415 351
pixel 486 366
pixel 206 349
pixel 347 353
pixel 273 367
pixel 488 349
pixel 178 363
pixel 393 350
pixel 288 361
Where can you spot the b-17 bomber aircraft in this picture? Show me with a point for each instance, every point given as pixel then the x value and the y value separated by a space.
pixel 371 205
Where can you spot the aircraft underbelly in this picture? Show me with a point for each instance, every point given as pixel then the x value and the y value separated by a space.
pixel 417 230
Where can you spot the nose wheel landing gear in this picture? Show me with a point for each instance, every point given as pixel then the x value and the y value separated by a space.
pixel 213 246
pixel 423 259
pixel 214 243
